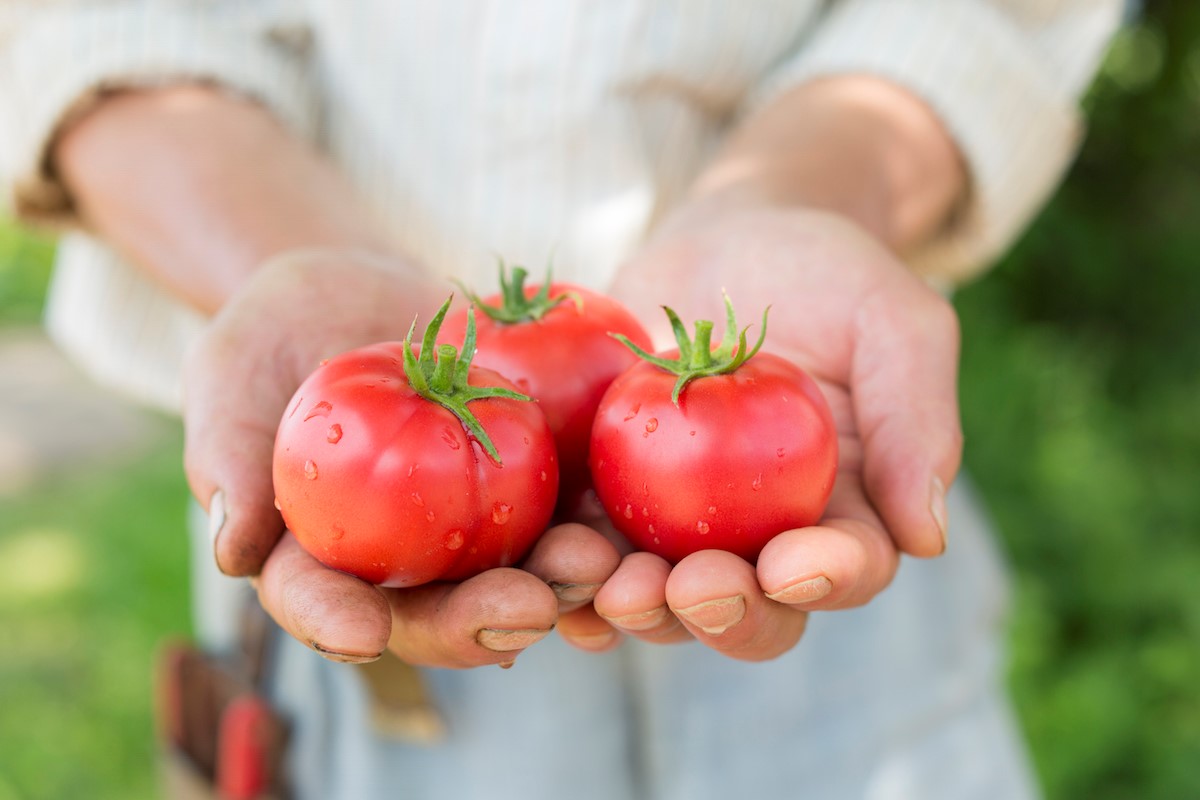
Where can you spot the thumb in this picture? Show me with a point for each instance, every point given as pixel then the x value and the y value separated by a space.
pixel 905 390
pixel 228 449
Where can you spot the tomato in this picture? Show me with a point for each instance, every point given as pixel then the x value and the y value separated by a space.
pixel 404 470
pixel 698 449
pixel 553 341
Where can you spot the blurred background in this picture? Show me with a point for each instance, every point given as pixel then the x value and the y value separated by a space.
pixel 1081 401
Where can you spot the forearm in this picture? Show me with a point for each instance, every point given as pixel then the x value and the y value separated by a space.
pixel 199 187
pixel 854 145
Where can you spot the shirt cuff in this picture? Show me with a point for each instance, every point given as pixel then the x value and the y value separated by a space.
pixel 1016 126
pixel 63 61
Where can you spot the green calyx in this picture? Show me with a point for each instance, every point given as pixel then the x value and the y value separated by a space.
pixel 514 305
pixel 443 380
pixel 697 358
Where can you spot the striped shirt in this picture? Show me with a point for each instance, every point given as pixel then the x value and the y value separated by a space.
pixel 546 126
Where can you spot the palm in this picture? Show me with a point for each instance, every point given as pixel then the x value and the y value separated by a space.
pixel 883 349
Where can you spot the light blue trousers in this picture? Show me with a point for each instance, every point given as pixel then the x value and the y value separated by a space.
pixel 901 699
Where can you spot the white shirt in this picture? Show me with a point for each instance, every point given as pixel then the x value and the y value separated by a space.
pixel 530 128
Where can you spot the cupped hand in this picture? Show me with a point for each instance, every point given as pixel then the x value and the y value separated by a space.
pixel 295 311
pixel 884 349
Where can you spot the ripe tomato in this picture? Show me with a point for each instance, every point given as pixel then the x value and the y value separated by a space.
pixel 700 449
pixel 382 471
pixel 552 340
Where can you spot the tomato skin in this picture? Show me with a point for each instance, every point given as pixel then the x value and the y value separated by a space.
pixel 566 360
pixel 745 456
pixel 379 482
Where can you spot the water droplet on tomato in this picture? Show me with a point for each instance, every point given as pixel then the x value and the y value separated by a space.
pixel 780 452
pixel 651 425
pixel 650 528
pixel 412 468
pixel 450 439
pixel 335 434
pixel 417 501
pixel 321 409
pixel 525 439
pixel 628 512
pixel 756 484
pixel 544 476
pixel 691 433
pixel 646 489
pixel 712 509
pixel 657 540
pixel 501 512
pixel 454 539
pixel 702 527
pixel 310 470
pixel 633 412
pixel 645 511
pixel 429 516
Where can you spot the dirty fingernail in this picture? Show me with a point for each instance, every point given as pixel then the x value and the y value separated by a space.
pixel 644 621
pixel 594 641
pixel 714 617
pixel 805 591
pixel 574 592
pixel 937 506
pixel 344 657
pixel 503 641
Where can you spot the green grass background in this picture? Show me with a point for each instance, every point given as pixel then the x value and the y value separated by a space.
pixel 1081 402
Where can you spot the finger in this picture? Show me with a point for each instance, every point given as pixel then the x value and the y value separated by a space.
pixel 488 619
pixel 227 455
pixel 634 600
pixel 717 596
pixel 587 630
pixel 904 380
pixel 338 615
pixel 575 561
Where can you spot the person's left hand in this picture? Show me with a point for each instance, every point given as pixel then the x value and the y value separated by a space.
pixel 882 346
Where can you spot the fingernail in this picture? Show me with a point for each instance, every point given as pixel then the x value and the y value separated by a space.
pixel 644 621
pixel 714 617
pixel 506 664
pixel 937 506
pixel 803 591
pixel 503 641
pixel 216 515
pixel 343 657
pixel 594 641
pixel 574 592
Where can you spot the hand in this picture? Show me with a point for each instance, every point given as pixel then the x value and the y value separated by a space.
pixel 296 310
pixel 883 348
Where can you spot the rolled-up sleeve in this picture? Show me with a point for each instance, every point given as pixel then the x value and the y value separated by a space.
pixel 1005 79
pixel 56 58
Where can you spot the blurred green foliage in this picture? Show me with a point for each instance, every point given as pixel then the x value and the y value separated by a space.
pixel 1081 403
pixel 93 575
pixel 25 260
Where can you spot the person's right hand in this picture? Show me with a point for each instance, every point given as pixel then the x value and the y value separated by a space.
pixel 296 310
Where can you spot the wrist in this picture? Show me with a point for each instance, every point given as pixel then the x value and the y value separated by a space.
pixel 199 187
pixel 855 146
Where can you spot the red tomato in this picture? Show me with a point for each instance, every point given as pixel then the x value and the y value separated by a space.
pixel 552 340
pixel 744 455
pixel 376 479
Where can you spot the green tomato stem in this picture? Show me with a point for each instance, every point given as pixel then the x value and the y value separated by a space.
pixel 697 358
pixel 514 306
pixel 444 380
